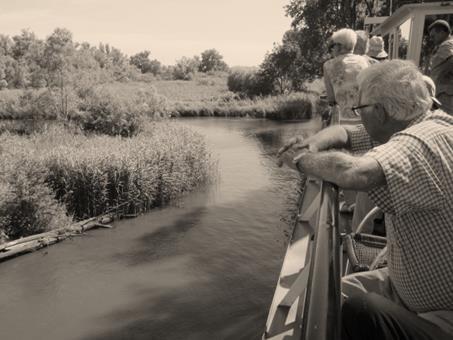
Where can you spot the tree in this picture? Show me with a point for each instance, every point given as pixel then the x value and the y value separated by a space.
pixel 142 61
pixel 6 45
pixel 58 52
pixel 22 43
pixel 212 60
pixel 58 47
pixel 279 66
pixel 185 68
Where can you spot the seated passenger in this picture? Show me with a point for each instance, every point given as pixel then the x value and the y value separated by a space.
pixel 340 73
pixel 410 177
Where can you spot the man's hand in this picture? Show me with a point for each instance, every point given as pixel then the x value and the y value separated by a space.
pixel 296 147
pixel 326 139
pixel 293 143
pixel 293 149
pixel 299 143
pixel 287 157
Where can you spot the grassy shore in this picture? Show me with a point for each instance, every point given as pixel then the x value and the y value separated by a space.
pixel 205 95
pixel 208 95
pixel 198 99
pixel 49 179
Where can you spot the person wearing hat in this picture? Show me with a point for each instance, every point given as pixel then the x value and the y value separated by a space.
pixel 442 63
pixel 376 49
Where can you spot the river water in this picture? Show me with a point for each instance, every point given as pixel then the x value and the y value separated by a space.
pixel 203 268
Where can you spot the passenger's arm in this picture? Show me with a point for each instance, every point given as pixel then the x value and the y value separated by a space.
pixel 347 171
pixel 333 137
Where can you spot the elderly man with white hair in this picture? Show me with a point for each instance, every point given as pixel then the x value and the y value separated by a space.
pixel 402 155
pixel 340 73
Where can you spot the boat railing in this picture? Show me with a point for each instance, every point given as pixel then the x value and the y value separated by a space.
pixel 322 307
pixel 307 300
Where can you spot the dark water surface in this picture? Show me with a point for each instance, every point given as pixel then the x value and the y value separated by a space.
pixel 204 268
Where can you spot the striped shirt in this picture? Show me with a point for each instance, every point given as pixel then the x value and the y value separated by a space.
pixel 418 202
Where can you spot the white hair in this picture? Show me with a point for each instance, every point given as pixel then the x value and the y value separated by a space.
pixel 346 37
pixel 399 86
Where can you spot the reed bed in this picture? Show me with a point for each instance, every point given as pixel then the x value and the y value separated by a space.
pixel 282 107
pixel 56 177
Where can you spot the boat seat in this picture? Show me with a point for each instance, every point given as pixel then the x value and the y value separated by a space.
pixel 365 251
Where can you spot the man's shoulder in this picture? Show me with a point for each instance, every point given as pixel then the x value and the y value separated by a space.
pixel 331 62
pixel 447 44
pixel 357 58
pixel 433 125
pixel 445 49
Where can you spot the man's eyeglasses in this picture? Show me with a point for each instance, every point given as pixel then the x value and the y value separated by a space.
pixel 356 109
pixel 332 45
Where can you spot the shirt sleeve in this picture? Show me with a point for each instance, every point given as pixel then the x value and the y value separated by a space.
pixel 413 176
pixel 359 140
pixel 445 51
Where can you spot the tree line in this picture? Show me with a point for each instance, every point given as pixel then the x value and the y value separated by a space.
pixel 57 61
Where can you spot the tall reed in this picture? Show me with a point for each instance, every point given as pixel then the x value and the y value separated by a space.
pixel 89 175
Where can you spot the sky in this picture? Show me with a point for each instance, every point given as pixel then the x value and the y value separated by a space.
pixel 241 30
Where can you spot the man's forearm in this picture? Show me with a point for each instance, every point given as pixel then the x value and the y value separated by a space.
pixel 334 137
pixel 349 172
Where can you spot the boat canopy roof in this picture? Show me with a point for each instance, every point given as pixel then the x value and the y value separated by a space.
pixel 409 11
pixel 404 31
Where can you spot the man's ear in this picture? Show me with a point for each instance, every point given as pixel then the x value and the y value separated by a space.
pixel 381 113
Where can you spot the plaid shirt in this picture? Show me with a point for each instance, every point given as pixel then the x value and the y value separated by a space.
pixel 418 202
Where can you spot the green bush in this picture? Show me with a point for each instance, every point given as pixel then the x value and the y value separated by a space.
pixel 27 204
pixel 9 103
pixel 107 112
pixel 24 127
pixel 186 68
pixel 38 104
pixel 249 83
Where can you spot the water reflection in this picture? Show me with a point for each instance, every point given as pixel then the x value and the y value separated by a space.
pixel 202 269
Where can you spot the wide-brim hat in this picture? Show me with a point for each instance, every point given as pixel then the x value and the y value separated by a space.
pixel 379 55
pixel 376 48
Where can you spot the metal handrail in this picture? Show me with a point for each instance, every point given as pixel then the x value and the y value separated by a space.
pixel 322 307
pixel 309 309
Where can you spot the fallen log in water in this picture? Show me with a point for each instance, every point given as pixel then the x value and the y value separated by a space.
pixel 53 233
pixel 29 246
pixel 34 242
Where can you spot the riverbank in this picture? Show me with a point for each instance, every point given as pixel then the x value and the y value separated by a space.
pixel 204 96
pixel 50 179
pixel 208 96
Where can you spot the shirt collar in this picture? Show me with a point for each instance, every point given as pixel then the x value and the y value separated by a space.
pixel 420 118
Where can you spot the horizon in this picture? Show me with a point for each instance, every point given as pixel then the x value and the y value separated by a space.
pixel 242 31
